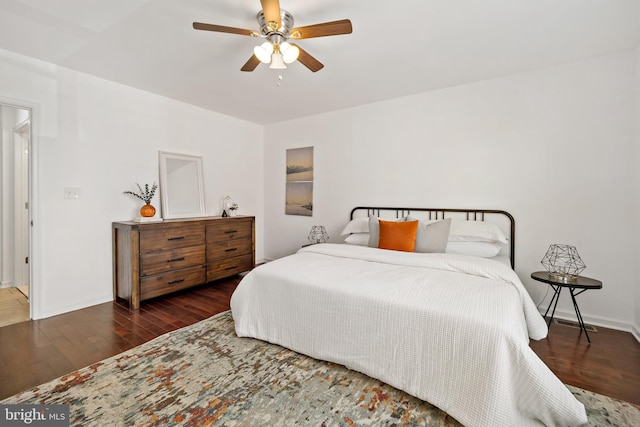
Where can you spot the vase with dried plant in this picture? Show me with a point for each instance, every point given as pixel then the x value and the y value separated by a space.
pixel 233 209
pixel 146 195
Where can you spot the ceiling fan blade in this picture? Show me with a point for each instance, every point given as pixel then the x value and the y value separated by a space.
pixel 251 64
pixel 308 61
pixel 223 29
pixel 271 10
pixel 332 28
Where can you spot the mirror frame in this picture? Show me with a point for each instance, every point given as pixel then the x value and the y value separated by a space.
pixel 198 209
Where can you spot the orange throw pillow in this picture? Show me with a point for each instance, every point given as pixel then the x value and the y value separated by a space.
pixel 398 236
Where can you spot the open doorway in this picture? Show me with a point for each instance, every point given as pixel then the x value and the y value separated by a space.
pixel 15 289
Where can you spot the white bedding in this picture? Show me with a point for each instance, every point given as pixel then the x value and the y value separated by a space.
pixel 452 330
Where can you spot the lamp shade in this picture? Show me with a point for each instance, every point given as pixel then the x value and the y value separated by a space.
pixel 263 52
pixel 318 234
pixel 289 52
pixel 563 262
pixel 277 62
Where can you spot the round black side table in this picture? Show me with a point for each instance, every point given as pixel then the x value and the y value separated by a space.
pixel 581 283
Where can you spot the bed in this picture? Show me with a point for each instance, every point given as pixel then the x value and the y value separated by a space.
pixel 452 329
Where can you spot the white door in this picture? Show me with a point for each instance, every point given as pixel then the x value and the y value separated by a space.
pixel 22 136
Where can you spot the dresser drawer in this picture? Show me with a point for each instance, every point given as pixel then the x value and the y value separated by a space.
pixel 228 249
pixel 159 262
pixel 160 284
pixel 228 267
pixel 229 229
pixel 171 237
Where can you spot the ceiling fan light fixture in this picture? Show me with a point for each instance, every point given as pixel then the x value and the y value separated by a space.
pixel 277 62
pixel 277 26
pixel 263 52
pixel 289 52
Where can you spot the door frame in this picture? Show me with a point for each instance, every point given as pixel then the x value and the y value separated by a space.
pixel 35 296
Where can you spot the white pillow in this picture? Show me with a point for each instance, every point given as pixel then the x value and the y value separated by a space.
pixel 431 236
pixel 361 239
pixel 475 231
pixel 479 249
pixel 357 225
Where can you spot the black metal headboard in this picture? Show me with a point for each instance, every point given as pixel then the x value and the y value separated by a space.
pixel 435 214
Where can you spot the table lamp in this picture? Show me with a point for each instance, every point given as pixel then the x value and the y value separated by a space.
pixel 318 234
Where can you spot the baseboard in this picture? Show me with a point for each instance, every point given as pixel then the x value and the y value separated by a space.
pixel 7 284
pixel 73 307
pixel 635 331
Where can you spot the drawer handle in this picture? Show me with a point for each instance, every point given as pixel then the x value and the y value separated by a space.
pixel 230 231
pixel 176 238
pixel 176 259
pixel 231 249
pixel 231 268
pixel 173 282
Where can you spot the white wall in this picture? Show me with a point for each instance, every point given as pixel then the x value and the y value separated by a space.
pixel 554 147
pixel 103 137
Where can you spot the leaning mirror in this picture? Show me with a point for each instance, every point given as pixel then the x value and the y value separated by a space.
pixel 181 188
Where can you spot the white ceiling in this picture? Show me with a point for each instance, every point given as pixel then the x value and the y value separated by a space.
pixel 396 49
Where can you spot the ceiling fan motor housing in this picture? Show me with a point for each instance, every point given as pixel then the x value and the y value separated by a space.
pixel 269 31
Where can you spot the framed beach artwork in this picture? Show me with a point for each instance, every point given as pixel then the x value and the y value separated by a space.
pixel 299 190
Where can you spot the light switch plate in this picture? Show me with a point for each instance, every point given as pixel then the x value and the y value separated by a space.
pixel 71 192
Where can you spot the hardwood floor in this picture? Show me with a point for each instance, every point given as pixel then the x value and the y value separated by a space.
pixel 37 351
pixel 609 366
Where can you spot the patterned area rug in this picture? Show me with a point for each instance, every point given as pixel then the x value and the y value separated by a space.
pixel 204 374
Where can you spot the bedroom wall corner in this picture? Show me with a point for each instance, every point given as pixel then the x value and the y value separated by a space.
pixel 636 324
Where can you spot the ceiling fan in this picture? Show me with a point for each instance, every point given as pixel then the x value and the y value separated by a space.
pixel 276 26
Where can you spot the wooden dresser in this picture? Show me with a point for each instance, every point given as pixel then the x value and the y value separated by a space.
pixel 156 258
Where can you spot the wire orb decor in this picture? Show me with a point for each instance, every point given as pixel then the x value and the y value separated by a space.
pixel 563 262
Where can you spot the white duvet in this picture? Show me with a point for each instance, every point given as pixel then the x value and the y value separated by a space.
pixel 448 329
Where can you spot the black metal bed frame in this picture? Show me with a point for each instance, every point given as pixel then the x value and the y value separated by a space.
pixel 439 213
